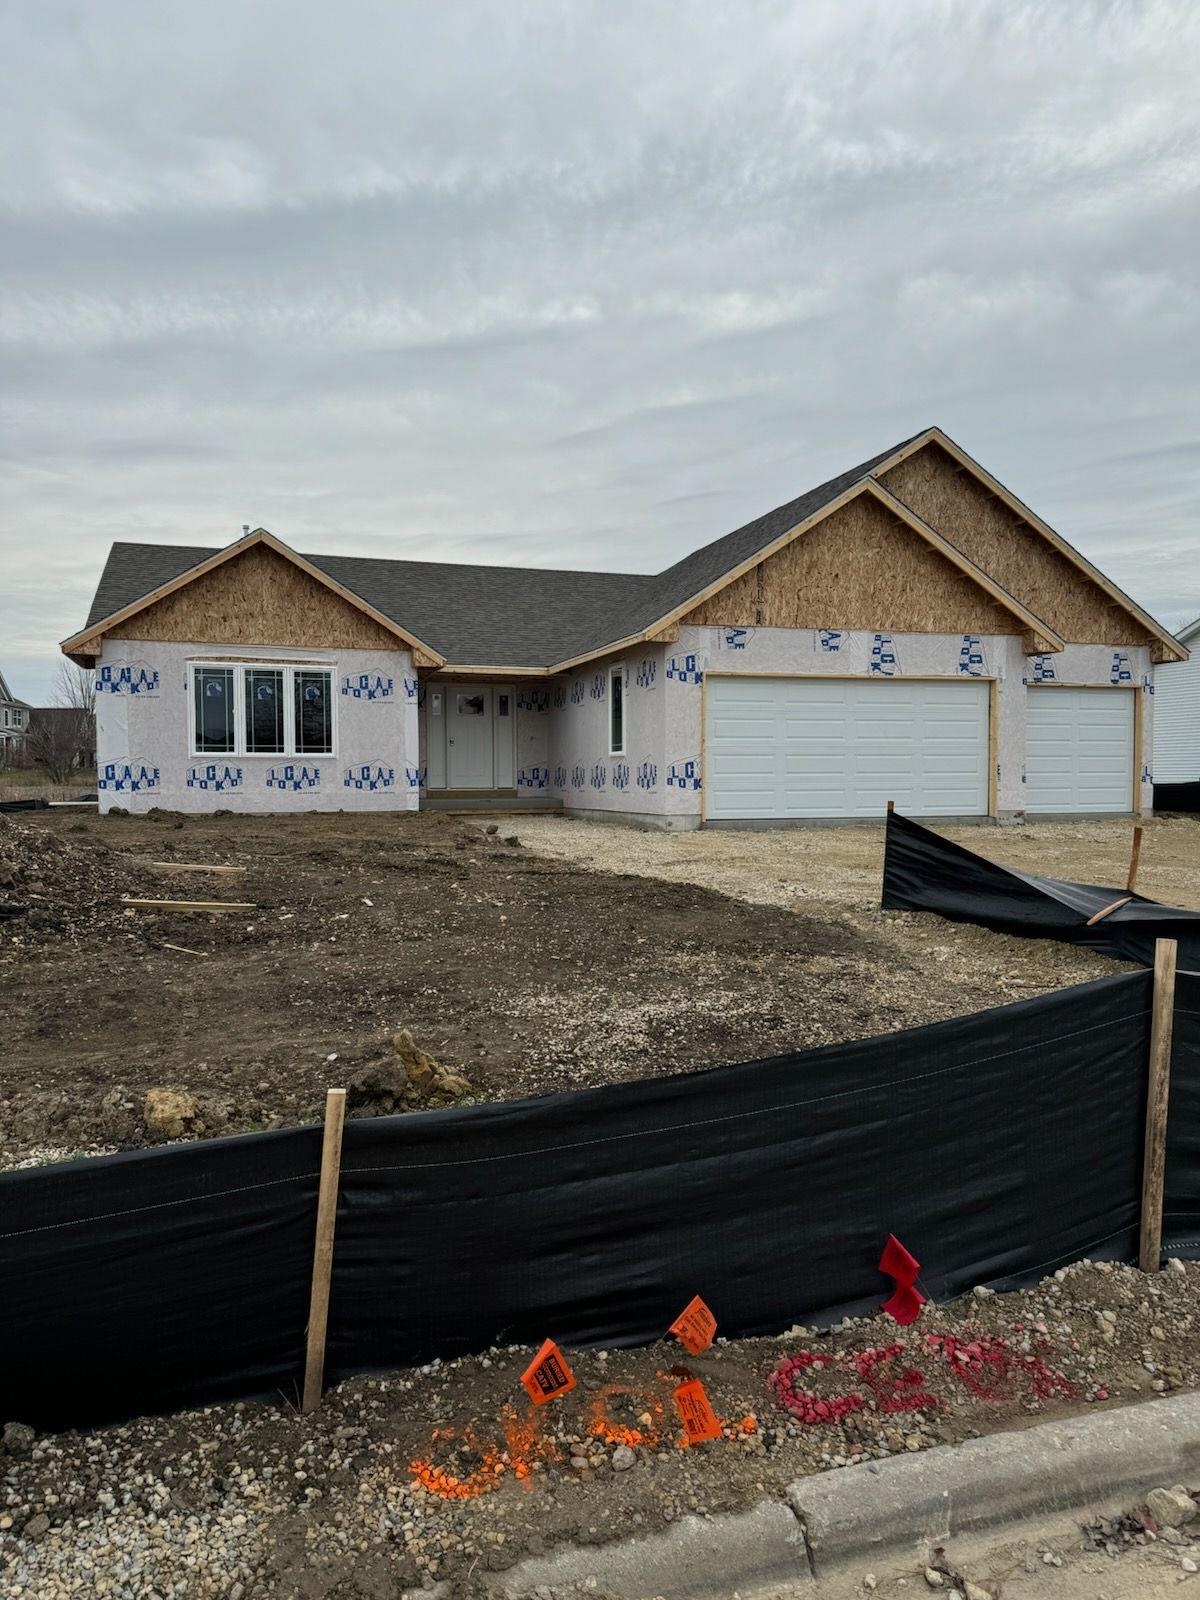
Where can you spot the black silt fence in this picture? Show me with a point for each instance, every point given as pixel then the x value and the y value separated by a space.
pixel 1177 796
pixel 995 1146
pixel 924 872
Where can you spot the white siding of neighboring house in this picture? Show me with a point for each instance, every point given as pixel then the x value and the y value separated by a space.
pixel 1177 715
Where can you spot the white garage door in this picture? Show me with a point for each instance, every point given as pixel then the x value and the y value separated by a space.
pixel 812 747
pixel 1078 750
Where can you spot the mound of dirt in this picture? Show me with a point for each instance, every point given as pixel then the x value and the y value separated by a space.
pixel 54 889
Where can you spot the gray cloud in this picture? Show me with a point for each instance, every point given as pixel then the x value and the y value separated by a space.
pixel 585 284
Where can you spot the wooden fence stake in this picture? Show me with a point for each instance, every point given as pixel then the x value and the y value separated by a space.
pixel 1154 1160
pixel 1131 880
pixel 318 1305
pixel 891 805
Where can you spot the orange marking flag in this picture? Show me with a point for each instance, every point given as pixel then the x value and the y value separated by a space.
pixel 699 1418
pixel 694 1326
pixel 547 1375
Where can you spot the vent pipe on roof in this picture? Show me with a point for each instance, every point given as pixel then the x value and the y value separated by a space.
pixel 245 529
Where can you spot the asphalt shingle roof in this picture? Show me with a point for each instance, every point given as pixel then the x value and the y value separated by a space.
pixel 500 616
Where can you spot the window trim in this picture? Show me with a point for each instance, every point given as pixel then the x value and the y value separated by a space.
pixel 239 668
pixel 617 674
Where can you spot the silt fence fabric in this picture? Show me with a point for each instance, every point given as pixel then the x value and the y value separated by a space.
pixel 996 1146
pixel 924 872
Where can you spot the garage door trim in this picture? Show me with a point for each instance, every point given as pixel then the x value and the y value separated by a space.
pixel 993 707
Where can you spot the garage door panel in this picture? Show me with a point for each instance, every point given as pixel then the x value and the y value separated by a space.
pixel 804 747
pixel 1079 753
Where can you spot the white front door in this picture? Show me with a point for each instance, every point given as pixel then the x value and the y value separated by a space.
pixel 469 736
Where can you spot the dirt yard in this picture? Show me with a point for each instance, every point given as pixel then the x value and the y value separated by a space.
pixel 578 955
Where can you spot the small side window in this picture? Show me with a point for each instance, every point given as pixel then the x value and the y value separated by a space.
pixel 214 711
pixel 616 711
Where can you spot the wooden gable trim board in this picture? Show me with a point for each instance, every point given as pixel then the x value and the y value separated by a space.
pixel 1165 648
pixel 88 641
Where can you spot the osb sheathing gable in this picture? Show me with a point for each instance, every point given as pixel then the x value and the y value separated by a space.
pixel 1016 555
pixel 861 568
pixel 258 597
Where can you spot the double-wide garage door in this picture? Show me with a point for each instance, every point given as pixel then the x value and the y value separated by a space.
pixel 813 747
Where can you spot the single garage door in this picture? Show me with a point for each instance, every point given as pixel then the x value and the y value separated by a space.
pixel 813 747
pixel 1078 749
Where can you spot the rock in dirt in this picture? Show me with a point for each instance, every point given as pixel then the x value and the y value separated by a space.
pixel 171 1112
pixel 380 1085
pixel 623 1458
pixel 1171 1507
pixel 421 1068
pixel 17 1438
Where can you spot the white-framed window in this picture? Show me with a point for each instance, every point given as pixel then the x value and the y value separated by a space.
pixel 260 708
pixel 616 711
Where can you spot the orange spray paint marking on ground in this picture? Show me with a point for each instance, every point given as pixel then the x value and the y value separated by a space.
pixel 455 1485
pixel 603 1425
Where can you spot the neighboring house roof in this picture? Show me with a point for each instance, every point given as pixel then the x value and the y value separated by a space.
pixel 535 618
pixel 8 698
pixel 1190 632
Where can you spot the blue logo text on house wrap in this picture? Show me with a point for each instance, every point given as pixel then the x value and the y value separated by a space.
pixel 1120 672
pixel 533 778
pixel 684 774
pixel 560 696
pixel 560 777
pixel 830 639
pixel 1147 774
pixel 647 671
pixel 533 699
pixel 685 669
pixel 1043 670
pixel 415 777
pixel 599 686
pixel 578 777
pixel 736 638
pixel 599 775
pixel 369 775
pixel 217 776
pixel 620 775
pixel 294 775
pixel 374 686
pixel 127 677
pixel 128 777
pixel 970 657
pixel 578 692
pixel 647 775
pixel 883 657
pixel 1148 683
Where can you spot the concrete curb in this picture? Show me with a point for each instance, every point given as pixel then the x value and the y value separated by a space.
pixel 911 1501
pixel 898 1506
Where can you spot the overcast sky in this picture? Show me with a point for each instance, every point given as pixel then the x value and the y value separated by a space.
pixel 585 285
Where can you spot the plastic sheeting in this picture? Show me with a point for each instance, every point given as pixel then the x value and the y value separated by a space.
pixel 1177 796
pixel 924 872
pixel 167 1278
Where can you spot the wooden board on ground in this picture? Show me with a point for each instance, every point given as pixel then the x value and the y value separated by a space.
pixel 193 866
pixel 187 905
